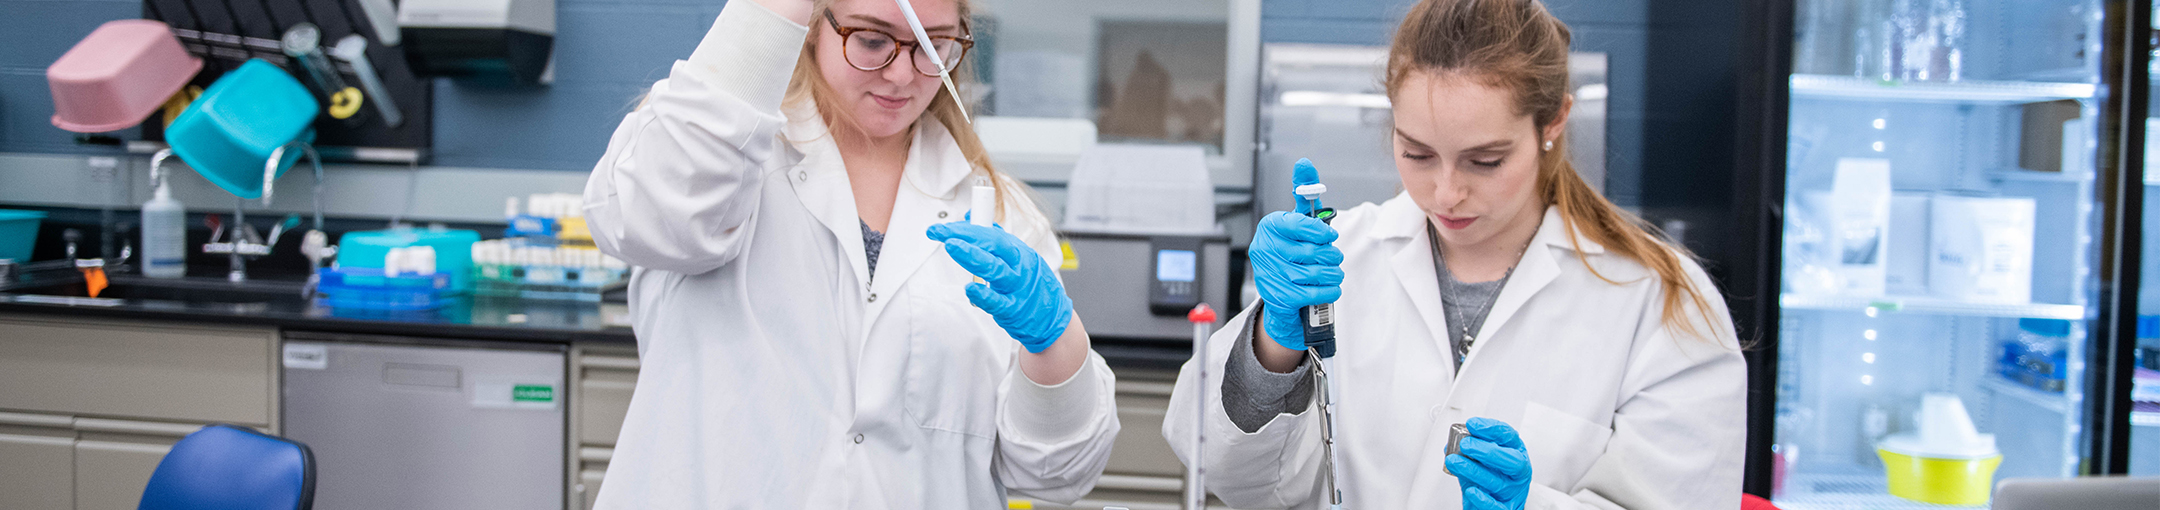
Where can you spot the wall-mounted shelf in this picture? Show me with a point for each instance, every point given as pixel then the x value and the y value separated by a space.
pixel 1929 305
pixel 1970 91
pixel 2050 401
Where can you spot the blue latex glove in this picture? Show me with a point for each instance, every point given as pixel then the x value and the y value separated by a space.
pixel 1494 469
pixel 1022 294
pixel 1294 265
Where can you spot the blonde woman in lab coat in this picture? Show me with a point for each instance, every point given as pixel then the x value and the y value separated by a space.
pixel 808 336
pixel 1594 364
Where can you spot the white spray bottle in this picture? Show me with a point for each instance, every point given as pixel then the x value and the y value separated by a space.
pixel 164 231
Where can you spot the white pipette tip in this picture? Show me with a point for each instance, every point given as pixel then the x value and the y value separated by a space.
pixel 922 39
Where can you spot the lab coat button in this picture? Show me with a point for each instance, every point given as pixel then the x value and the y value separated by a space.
pixel 941 215
pixel 873 297
pixel 858 439
pixel 802 175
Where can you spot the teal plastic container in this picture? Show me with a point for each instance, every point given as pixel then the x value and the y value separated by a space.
pixel 228 134
pixel 18 232
pixel 453 251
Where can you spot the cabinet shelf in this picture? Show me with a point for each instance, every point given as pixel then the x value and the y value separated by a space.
pixel 1930 305
pixel 1970 91
pixel 1844 492
pixel 2050 401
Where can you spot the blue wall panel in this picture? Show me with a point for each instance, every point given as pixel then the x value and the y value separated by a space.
pixel 609 51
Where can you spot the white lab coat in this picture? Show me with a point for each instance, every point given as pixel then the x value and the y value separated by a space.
pixel 1615 410
pixel 771 375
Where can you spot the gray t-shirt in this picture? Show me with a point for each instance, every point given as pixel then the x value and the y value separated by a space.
pixel 872 242
pixel 1253 395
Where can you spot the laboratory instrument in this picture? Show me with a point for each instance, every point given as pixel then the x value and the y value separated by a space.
pixel 303 43
pixel 1319 323
pixel 511 39
pixel 1455 435
pixel 353 50
pixel 398 423
pixel 1176 285
pixel 922 39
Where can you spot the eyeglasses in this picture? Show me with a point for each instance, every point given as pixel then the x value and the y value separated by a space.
pixel 870 49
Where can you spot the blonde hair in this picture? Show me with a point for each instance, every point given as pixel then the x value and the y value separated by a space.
pixel 808 86
pixel 1519 46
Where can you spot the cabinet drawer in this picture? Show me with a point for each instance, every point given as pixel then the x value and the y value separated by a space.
pixel 1141 449
pixel 111 475
pixel 38 472
pixel 170 372
pixel 604 389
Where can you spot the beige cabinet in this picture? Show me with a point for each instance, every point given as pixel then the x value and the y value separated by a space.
pixel 1142 475
pixel 601 380
pixel 37 462
pixel 92 406
pixel 110 474
pixel 157 371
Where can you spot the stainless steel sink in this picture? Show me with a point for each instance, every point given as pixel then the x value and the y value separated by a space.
pixel 199 290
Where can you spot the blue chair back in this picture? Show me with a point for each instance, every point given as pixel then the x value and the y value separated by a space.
pixel 226 467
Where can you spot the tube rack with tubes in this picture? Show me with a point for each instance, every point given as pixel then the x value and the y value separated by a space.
pixel 515 268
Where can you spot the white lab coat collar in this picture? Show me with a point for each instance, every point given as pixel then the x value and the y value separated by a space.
pixel 934 170
pixel 1413 264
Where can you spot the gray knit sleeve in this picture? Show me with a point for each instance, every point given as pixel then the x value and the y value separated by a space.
pixel 1253 395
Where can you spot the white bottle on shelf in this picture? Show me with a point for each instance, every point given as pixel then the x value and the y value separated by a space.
pixel 164 235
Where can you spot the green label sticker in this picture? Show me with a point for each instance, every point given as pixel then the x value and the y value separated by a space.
pixel 532 393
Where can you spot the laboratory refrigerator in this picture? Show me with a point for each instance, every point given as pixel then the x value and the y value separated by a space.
pixel 1961 251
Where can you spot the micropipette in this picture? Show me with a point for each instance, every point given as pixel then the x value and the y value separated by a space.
pixel 922 41
pixel 1320 345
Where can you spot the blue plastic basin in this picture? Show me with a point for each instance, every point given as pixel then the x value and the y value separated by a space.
pixel 18 232
pixel 227 134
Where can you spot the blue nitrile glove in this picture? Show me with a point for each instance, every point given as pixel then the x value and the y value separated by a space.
pixel 1294 265
pixel 1494 469
pixel 1023 293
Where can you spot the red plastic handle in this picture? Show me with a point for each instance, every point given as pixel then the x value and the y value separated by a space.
pixel 1201 314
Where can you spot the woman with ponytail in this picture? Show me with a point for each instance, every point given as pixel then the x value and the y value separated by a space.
pixel 793 196
pixel 1589 362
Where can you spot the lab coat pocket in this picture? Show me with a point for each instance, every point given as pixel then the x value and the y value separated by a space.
pixel 1561 446
pixel 955 362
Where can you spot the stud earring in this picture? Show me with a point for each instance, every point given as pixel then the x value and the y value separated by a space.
pixel 1548 146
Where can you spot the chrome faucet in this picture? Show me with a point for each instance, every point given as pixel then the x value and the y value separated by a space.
pixel 244 243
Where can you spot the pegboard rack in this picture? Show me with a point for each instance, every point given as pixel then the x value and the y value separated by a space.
pixel 226 33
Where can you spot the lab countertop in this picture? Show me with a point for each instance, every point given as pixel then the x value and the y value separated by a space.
pixel 275 302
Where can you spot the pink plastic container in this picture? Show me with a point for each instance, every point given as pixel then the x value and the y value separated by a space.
pixel 118 75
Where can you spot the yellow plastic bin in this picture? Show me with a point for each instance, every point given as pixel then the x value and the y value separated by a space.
pixel 1939 477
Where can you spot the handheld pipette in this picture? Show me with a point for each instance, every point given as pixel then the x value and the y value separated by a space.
pixel 1202 317
pixel 1320 344
pixel 922 41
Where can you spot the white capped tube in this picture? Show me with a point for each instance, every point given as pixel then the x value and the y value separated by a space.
pixel 982 211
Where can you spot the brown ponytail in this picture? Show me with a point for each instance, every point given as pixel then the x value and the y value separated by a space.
pixel 1519 46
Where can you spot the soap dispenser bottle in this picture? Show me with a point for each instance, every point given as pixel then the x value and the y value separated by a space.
pixel 164 235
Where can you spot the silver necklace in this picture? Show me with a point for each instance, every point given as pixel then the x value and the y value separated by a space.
pixel 1447 279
